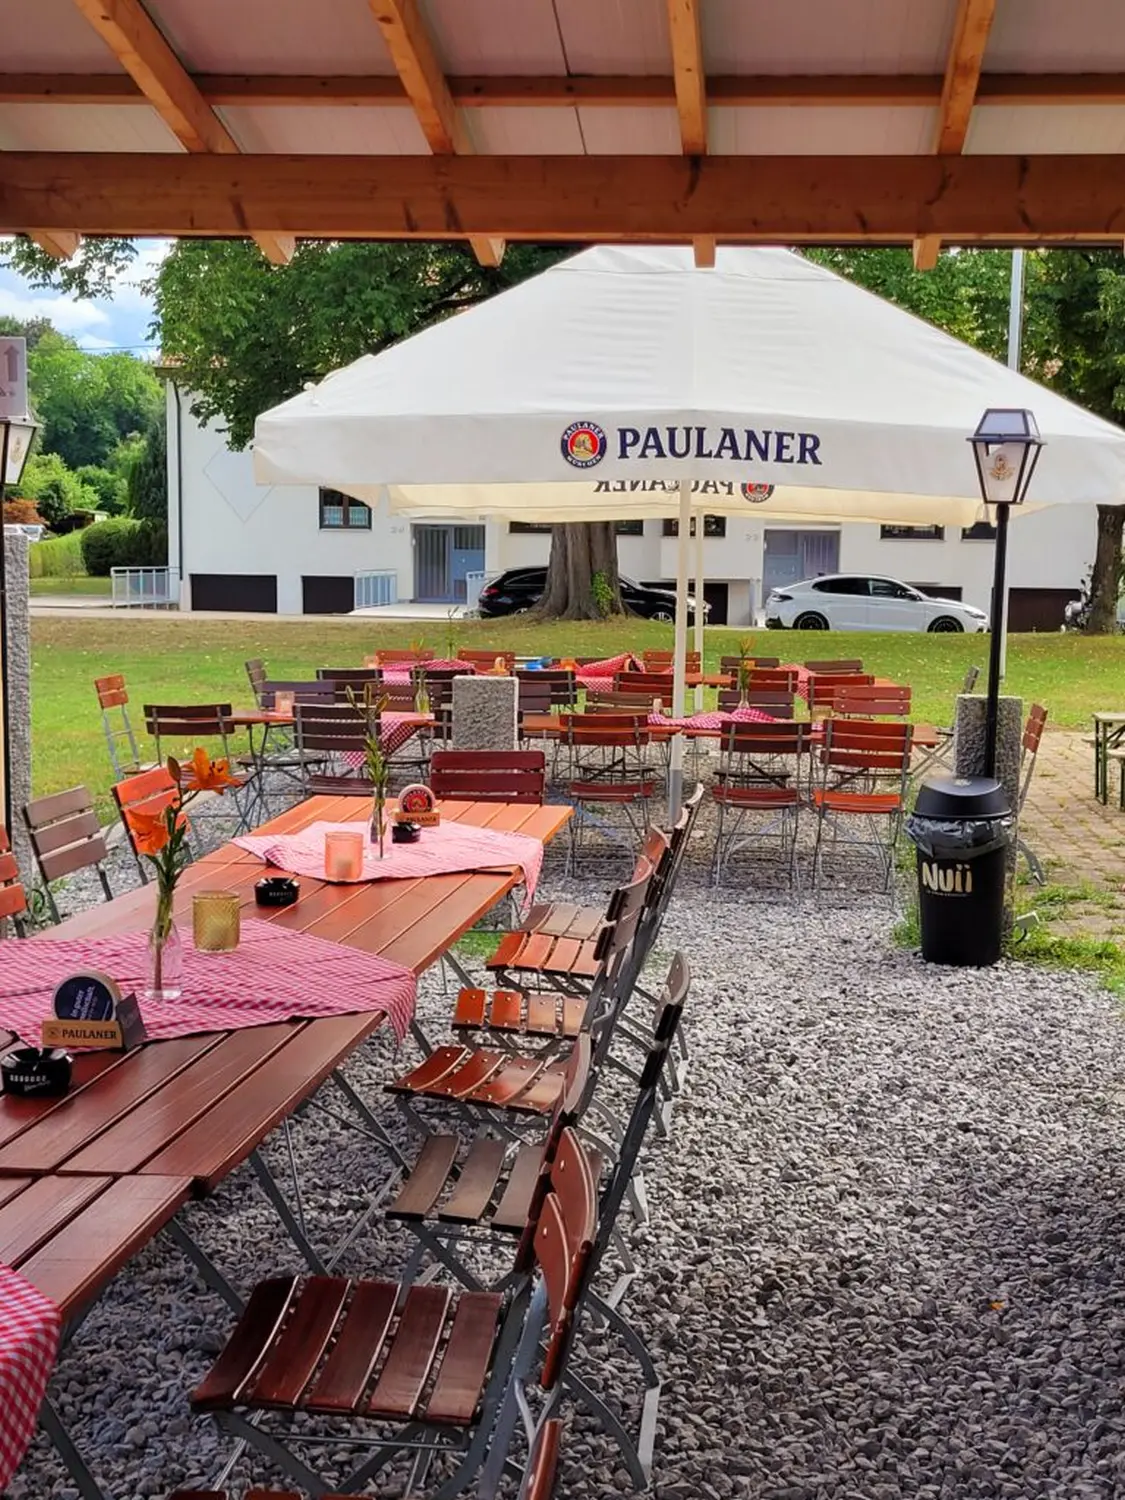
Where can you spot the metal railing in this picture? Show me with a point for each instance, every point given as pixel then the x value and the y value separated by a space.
pixel 145 588
pixel 375 588
pixel 474 582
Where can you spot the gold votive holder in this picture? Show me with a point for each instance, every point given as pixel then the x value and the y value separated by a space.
pixel 215 922
pixel 343 854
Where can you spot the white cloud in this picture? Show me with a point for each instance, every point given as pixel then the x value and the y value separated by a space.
pixel 72 315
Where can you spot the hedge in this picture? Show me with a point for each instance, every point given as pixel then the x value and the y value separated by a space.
pixel 57 557
pixel 123 543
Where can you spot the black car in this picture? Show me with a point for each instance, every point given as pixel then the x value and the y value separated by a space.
pixel 522 588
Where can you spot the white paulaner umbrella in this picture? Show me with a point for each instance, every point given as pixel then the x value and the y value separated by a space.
pixel 615 382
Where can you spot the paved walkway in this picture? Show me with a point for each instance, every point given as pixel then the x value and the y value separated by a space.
pixel 1081 842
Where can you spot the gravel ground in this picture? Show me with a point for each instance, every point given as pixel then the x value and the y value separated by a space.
pixel 884 1256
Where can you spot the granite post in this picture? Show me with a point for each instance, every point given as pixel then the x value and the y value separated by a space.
pixel 485 713
pixel 17 668
pixel 968 760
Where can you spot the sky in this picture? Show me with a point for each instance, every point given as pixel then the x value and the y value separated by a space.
pixel 122 322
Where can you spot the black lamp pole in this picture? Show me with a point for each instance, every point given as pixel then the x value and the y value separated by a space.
pixel 5 707
pixel 992 703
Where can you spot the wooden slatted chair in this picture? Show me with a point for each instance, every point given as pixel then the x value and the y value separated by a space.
pixel 355 675
pixel 733 664
pixel 624 705
pixel 864 768
pixel 485 659
pixel 258 677
pixel 607 770
pixel 560 680
pixel 187 724
pixel 150 793
pixel 647 684
pixel 663 661
pixel 837 665
pixel 407 656
pixel 879 701
pixel 941 751
pixel 428 1366
pixel 1033 729
pixel 113 700
pixel 823 688
pixel 773 701
pixel 489 775
pixel 455 1199
pixel 304 690
pixel 13 896
pixel 759 791
pixel 66 836
pixel 331 744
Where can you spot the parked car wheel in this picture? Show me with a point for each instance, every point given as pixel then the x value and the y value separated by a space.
pixel 946 625
pixel 810 621
pixel 663 616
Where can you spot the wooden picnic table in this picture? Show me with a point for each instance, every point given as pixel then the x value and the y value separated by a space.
pixel 87 1180
pixel 1109 730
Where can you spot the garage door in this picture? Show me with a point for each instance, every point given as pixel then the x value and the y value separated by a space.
pixel 328 595
pixel 252 592
pixel 1038 609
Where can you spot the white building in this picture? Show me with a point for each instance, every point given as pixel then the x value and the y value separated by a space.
pixel 296 550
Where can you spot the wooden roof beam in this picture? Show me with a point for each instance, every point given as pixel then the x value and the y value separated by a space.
pixel 690 82
pixel 963 68
pixel 882 200
pixel 412 52
pixel 60 244
pixel 142 50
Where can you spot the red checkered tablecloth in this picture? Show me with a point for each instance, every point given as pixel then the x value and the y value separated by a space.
pixel 445 849
pixel 597 676
pixel 715 719
pixel 273 975
pixel 403 673
pixel 29 1343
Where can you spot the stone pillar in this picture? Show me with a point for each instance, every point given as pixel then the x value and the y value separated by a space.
pixel 968 741
pixel 18 669
pixel 485 713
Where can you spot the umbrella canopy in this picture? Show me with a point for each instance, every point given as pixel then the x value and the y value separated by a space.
pixel 595 389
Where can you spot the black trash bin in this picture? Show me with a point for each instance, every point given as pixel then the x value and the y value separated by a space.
pixel 962 826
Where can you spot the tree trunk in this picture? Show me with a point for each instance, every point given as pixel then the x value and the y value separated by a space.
pixel 1105 579
pixel 582 578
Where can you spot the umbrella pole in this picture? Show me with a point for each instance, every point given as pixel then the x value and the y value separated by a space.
pixel 679 659
pixel 699 616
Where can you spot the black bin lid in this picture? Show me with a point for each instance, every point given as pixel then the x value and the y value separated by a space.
pixel 961 797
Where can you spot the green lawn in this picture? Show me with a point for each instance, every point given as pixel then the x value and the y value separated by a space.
pixel 77 585
pixel 200 660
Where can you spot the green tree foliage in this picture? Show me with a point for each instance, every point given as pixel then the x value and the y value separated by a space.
pixel 54 488
pixel 110 488
pixel 88 403
pixel 32 330
pixel 123 543
pixel 148 478
pixel 92 272
pixel 247 335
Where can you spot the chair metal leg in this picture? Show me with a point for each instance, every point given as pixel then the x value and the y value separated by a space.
pixel 75 1465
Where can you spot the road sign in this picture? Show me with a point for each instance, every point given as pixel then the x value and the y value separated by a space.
pixel 13 378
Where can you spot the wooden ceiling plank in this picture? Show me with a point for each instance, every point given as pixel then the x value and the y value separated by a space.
pixel 142 50
pixel 412 52
pixel 1026 200
pixel 59 243
pixel 608 91
pixel 688 72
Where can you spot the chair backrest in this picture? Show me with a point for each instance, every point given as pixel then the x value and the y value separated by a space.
pixel 563 1244
pixel 149 792
pixel 784 678
pixel 874 702
pixel 65 833
pixel 1032 734
pixel 662 661
pixel 970 681
pixel 332 726
pixel 755 742
pixel 349 674
pixel 111 691
pixel 256 672
pixel 824 686
pixel 775 701
pixel 439 685
pixel 607 729
pixel 844 664
pixel 649 684
pixel 679 838
pixel 868 746
pixel 183 721
pixel 755 663
pixel 13 897
pixel 486 658
pixel 398 658
pixel 533 697
pixel 560 680
pixel 304 690
pixel 623 705
pixel 398 697
pixel 489 775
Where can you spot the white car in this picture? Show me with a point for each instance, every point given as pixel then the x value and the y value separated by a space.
pixel 854 601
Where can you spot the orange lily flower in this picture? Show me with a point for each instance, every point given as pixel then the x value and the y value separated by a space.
pixel 149 830
pixel 202 774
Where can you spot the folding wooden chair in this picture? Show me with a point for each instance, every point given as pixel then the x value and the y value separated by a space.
pixel 332 746
pixel 939 753
pixel 258 676
pixel 441 1373
pixel 187 724
pixel 759 791
pixel 66 836
pixel 113 700
pixel 864 765
pixel 823 688
pixel 150 793
pixel 489 775
pixel 13 896
pixel 303 689
pixel 485 660
pixel 663 661
pixel 774 701
pixel 1029 753
pixel 560 680
pixel 871 702
pixel 732 665
pixel 836 666
pixel 404 657
pixel 607 770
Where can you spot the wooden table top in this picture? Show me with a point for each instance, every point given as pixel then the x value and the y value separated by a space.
pixel 140 1131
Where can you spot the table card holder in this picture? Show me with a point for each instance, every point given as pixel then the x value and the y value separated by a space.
pixel 417 804
pixel 90 1011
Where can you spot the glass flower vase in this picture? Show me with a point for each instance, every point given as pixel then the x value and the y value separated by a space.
pixel 165 973
pixel 378 825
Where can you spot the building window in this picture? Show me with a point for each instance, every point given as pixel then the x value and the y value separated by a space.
pixel 629 528
pixel 983 531
pixel 912 533
pixel 712 526
pixel 341 513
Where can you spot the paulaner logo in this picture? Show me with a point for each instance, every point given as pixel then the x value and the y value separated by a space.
pixel 743 444
pixel 947 880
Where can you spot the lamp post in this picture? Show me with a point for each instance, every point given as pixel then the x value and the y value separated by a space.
pixel 16 434
pixel 1006 446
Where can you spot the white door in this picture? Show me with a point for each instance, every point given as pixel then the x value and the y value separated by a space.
pixel 894 606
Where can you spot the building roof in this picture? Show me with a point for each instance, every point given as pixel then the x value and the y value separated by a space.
pixel 799 121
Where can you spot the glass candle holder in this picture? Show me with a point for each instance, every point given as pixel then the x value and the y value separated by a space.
pixel 343 854
pixel 215 923
pixel 283 701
